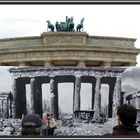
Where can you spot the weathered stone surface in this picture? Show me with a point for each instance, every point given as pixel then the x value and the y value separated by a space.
pixel 55 71
pixel 111 41
pixel 64 38
pixel 73 47
pixel 20 42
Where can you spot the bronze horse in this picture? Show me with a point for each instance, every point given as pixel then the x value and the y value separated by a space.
pixel 50 26
pixel 71 25
pixel 80 25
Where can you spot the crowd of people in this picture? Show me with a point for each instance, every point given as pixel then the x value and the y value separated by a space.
pixel 49 124
pixel 32 124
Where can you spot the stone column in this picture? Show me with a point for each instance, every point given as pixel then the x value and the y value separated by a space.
pixel 36 96
pixel 137 102
pixel 0 108
pixel 14 91
pixel 7 108
pixel 124 99
pixel 97 102
pixel 52 92
pixel 117 96
pixel 93 93
pixel 33 90
pixel 39 98
pixel 11 110
pixel 81 64
pixel 77 88
pixel 4 108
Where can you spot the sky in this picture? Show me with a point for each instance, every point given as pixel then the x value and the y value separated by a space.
pixel 100 20
pixel 6 79
pixel 131 80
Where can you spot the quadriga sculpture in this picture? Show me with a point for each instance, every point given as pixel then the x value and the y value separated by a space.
pixel 65 26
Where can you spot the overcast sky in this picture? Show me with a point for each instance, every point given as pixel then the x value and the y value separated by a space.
pixel 102 20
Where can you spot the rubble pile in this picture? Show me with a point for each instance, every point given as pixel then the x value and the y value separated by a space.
pixel 65 127
pixel 10 127
pixel 79 128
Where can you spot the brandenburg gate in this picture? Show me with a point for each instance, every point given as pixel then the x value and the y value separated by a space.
pixel 38 75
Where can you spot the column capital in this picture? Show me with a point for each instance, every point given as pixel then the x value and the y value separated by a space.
pixel 32 79
pixel 118 77
pixel 77 74
pixel 98 76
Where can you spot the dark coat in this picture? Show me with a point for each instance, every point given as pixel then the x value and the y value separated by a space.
pixel 125 130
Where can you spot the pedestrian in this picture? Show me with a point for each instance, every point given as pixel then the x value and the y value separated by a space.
pixel 31 125
pixel 45 125
pixel 52 125
pixel 126 117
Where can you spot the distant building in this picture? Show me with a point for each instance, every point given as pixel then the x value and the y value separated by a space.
pixel 6 100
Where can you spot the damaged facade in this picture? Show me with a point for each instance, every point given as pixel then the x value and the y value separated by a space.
pixel 37 76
